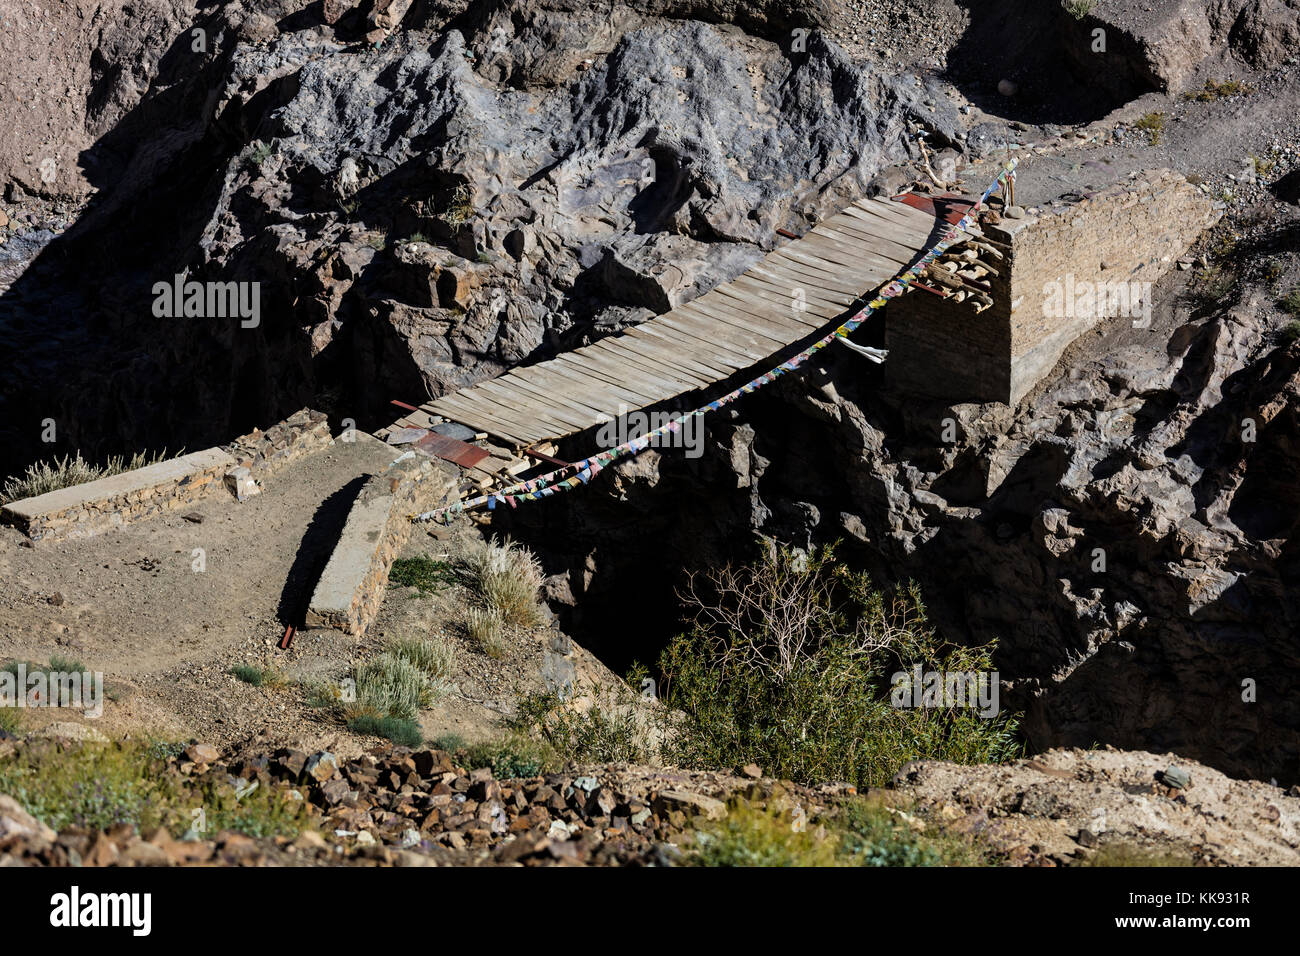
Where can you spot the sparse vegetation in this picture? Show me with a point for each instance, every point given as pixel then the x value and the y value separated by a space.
pixel 461 209
pixel 504 577
pixel 404 733
pixel 423 573
pixel 1290 303
pixel 390 686
pixel 788 664
pixel 1127 854
pixel 513 756
pixel 43 477
pixel 1263 166
pixel 1216 91
pixel 258 676
pixel 100 785
pixel 448 742
pixel 608 729
pixel 433 658
pixel 862 833
pixel 11 720
pixel 66 665
pixel 1079 8
pixel 1291 332
pixel 1153 124
pixel 260 153
pixel 486 627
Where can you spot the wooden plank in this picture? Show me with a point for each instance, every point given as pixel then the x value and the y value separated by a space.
pixel 888 259
pixel 806 275
pixel 632 395
pixel 895 245
pixel 574 409
pixel 752 349
pixel 780 319
pixel 744 316
pixel 674 366
pixel 854 256
pixel 828 304
pixel 665 379
pixel 678 358
pixel 712 350
pixel 636 377
pixel 547 379
pixel 517 395
pixel 517 425
pixel 671 345
pixel 882 230
pixel 814 315
pixel 602 395
pixel 851 277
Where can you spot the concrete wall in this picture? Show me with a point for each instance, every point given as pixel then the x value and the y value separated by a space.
pixel 97 506
pixel 1128 233
pixel 352 586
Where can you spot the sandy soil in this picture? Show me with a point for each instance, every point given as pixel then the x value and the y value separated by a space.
pixel 130 604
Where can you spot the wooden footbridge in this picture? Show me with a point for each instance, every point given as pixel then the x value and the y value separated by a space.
pixel 785 297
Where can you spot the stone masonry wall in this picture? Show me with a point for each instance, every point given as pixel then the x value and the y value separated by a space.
pixel 262 452
pixel 352 586
pixel 1130 232
pixel 97 506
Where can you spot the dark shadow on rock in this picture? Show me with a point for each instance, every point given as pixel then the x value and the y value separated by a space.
pixel 314 552
pixel 1049 56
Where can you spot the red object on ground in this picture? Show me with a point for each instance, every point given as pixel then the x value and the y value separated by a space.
pixel 409 408
pixel 949 208
pixel 451 449
pixel 288 637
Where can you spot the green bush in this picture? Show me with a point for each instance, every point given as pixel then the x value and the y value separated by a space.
pixel 451 743
pixel 404 733
pixel 749 836
pixel 423 573
pixel 860 833
pixel 257 676
pixel 513 756
pixel 1290 303
pixel 96 786
pixel 433 658
pixel 788 666
pixel 607 731
pixel 1291 332
pixel 486 628
pixel 11 720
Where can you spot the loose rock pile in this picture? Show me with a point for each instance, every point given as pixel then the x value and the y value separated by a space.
pixel 420 808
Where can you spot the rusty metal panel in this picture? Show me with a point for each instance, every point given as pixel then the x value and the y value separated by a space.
pixel 950 209
pixel 451 449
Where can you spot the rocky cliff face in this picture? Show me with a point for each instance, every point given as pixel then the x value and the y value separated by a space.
pixel 1127 533
pixel 429 193
pixel 424 207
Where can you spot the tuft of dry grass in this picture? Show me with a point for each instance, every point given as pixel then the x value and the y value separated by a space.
pixel 43 477
pixel 486 628
pixel 504 577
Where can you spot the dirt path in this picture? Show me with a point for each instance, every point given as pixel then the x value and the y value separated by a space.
pixel 145 598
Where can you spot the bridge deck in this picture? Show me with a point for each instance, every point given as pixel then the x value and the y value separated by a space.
pixel 732 327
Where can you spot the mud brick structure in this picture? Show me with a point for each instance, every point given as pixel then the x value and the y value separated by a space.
pixel 1066 270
